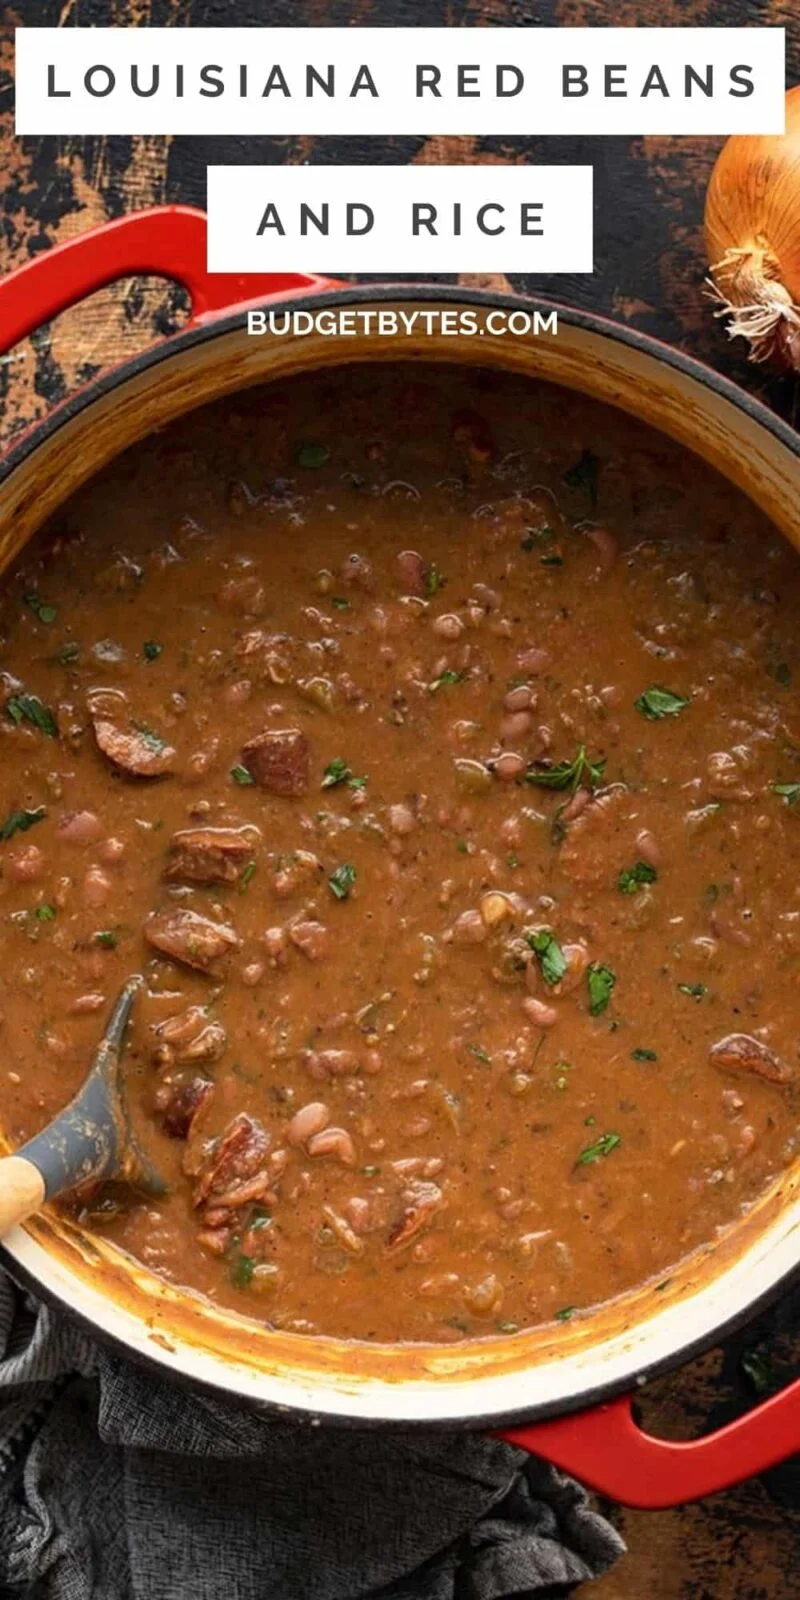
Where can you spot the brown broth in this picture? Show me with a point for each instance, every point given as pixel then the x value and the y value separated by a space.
pixel 503 1156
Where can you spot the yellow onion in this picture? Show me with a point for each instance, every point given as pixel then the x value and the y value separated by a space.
pixel 752 224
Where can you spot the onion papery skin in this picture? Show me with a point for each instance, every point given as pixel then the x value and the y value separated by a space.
pixel 752 228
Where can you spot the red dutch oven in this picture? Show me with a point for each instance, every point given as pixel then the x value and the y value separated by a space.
pixel 564 1393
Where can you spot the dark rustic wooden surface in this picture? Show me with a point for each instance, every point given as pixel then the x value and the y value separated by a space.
pixel 744 1545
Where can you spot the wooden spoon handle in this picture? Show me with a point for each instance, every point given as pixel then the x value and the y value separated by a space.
pixel 21 1191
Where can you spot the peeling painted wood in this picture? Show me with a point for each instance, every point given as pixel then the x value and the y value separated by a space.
pixel 744 1545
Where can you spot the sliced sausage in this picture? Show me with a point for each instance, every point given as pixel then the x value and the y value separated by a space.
pixel 423 1202
pixel 278 760
pixel 209 855
pixel 186 936
pixel 134 751
pixel 182 1104
pixel 234 1166
pixel 739 1052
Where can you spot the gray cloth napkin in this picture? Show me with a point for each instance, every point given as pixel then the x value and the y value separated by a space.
pixel 116 1484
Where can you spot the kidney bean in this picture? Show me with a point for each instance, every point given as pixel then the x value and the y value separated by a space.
pixel 515 724
pixel 469 928
pixel 575 806
pixel 411 569
pixel 275 941
pixel 26 864
pixel 201 761
pixel 252 974
pixel 235 694
pixel 484 1297
pixel 418 1127
pixel 533 659
pixel 448 626
pixel 322 1064
pixel 333 1142
pixel 401 819
pixel 111 851
pixel 244 595
pixel 439 1284
pixel 577 959
pixel 508 766
pixel 346 1235
pixel 648 848
pixel 606 546
pixel 311 938
pixel 520 698
pixel 306 1122
pixel 96 887
pixel 539 1013
pixel 79 827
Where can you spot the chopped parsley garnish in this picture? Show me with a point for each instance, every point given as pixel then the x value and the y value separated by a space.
pixel 548 952
pixel 241 1270
pixel 656 703
pixel 21 821
pixel 312 455
pixel 45 913
pixel 337 772
pixel 241 775
pixel 480 1055
pixel 29 708
pixel 632 878
pixel 446 677
pixel 567 774
pixel 151 649
pixel 434 580
pixel 462 847
pixel 105 938
pixel 789 792
pixel 644 1055
pixel 565 1312
pixel 583 475
pixel 551 560
pixel 247 875
pixel 508 1327
pixel 44 612
pixel 339 603
pixel 694 990
pixel 601 981
pixel 601 1148
pixel 341 881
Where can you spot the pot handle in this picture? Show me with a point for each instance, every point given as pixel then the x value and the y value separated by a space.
pixel 606 1448
pixel 169 241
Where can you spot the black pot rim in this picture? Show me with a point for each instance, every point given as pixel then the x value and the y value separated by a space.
pixel 217 325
